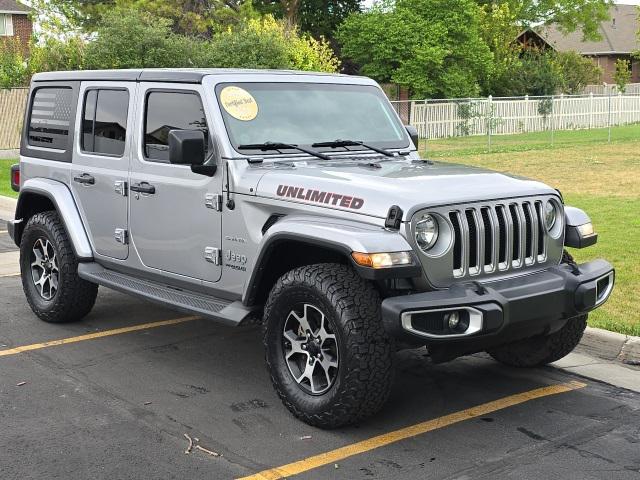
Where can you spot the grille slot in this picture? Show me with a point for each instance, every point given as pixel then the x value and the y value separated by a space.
pixel 497 237
pixel 457 244
pixel 472 227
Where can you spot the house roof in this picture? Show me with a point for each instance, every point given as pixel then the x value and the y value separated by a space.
pixel 14 7
pixel 619 34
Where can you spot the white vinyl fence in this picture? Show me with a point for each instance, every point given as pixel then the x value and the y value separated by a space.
pixel 500 116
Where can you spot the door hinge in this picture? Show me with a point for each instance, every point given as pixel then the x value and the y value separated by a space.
pixel 120 187
pixel 213 201
pixel 121 235
pixel 213 255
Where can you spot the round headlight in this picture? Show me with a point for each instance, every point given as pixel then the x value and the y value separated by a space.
pixel 426 232
pixel 550 215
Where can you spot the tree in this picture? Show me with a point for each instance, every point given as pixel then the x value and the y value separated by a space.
pixel 622 75
pixel 320 18
pixel 577 72
pixel 129 38
pixel 499 27
pixel 269 43
pixel 433 47
pixel 569 15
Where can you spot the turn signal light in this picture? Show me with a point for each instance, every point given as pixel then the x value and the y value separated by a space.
pixel 382 260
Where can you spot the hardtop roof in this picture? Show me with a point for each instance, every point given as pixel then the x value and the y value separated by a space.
pixel 171 75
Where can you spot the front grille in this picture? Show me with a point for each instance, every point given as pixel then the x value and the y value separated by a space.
pixel 498 237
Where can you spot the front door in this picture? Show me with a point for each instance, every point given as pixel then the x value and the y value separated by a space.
pixel 100 164
pixel 175 225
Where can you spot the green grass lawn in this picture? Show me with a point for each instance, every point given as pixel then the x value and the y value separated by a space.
pixel 5 177
pixel 599 177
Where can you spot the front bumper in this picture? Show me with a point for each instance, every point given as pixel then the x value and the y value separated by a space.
pixel 499 312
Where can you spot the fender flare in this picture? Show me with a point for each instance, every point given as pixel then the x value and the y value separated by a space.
pixel 574 218
pixel 65 205
pixel 341 236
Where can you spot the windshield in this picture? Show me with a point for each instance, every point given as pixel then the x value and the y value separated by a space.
pixel 308 113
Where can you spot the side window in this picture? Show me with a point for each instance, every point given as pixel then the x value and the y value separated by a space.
pixel 104 121
pixel 50 118
pixel 170 111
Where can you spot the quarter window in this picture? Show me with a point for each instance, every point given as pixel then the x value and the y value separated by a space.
pixel 104 121
pixel 170 111
pixel 50 118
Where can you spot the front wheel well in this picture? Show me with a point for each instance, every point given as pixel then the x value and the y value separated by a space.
pixel 285 256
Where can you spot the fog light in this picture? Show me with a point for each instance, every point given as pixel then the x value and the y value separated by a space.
pixel 453 319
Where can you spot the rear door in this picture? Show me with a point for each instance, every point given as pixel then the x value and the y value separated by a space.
pixel 176 225
pixel 100 164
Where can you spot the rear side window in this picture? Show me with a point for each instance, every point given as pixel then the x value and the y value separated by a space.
pixel 170 111
pixel 104 121
pixel 50 117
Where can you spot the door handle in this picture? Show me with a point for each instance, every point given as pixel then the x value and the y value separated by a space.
pixel 143 187
pixel 84 179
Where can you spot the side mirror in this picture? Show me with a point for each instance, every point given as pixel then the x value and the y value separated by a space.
pixel 413 133
pixel 186 147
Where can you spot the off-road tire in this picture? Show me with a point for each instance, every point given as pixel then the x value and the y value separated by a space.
pixel 540 350
pixel 74 297
pixel 365 371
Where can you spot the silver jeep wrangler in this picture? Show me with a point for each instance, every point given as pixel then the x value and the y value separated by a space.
pixel 298 199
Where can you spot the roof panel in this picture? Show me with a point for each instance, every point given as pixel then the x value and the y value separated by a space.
pixel 13 6
pixel 173 75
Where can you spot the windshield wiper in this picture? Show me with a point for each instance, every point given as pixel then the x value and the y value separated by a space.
pixel 352 143
pixel 278 146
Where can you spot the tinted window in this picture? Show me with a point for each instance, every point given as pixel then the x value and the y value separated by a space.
pixel 104 121
pixel 50 118
pixel 170 111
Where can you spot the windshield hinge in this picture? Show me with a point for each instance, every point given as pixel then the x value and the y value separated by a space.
pixel 213 201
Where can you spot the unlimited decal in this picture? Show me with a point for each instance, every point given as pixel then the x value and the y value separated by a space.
pixel 316 196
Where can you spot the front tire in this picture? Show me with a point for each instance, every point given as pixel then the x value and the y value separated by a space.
pixel 541 350
pixel 328 355
pixel 49 271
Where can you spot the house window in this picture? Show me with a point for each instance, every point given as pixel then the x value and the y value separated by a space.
pixel 6 27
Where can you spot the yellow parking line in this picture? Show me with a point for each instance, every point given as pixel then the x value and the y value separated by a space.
pixel 341 453
pixel 93 336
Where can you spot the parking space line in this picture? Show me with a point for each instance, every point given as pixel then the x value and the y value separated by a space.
pixel 93 336
pixel 385 439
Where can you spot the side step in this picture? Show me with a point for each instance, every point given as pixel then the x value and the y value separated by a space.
pixel 229 312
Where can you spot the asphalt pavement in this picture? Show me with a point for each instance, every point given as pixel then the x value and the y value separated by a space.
pixel 117 396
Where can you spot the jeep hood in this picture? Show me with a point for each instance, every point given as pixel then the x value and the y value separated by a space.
pixel 361 187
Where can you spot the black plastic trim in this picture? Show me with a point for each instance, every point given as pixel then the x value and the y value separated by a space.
pixel 573 238
pixel 404 271
pixel 529 305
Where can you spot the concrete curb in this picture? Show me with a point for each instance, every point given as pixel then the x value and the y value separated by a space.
pixel 611 346
pixel 7 208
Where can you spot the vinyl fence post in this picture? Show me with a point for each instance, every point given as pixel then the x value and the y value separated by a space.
pixel 489 120
pixel 590 110
pixel 553 119
pixel 609 118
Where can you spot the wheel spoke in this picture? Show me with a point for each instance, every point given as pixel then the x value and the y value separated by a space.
pixel 302 321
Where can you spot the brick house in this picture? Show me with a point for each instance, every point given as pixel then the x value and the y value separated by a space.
pixel 15 21
pixel 618 40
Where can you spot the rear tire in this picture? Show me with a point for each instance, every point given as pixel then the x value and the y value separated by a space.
pixel 49 271
pixel 338 370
